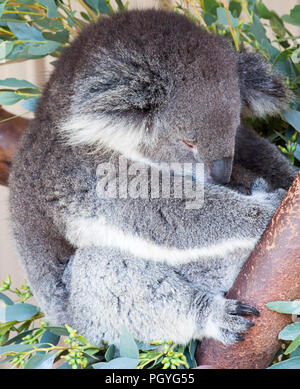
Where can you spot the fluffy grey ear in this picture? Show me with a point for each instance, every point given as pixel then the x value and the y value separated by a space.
pixel 263 90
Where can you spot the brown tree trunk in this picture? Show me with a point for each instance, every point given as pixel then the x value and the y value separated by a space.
pixel 272 273
pixel 10 132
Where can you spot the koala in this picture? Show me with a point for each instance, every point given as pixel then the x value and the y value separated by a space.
pixel 150 87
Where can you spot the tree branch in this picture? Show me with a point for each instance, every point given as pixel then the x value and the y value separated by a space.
pixel 10 133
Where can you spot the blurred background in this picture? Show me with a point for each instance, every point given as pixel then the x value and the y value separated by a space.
pixel 38 72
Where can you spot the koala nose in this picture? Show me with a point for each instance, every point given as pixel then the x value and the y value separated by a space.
pixel 221 170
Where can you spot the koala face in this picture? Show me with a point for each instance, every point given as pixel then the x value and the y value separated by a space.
pixel 155 87
pixel 199 125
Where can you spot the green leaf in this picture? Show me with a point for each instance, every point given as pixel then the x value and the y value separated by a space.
pixel 110 353
pixel 60 331
pixel 14 83
pixel 43 49
pixel 6 327
pixel 257 29
pixel 5 299
pixel 121 6
pixel 293 17
pixel 8 98
pixel 40 361
pixel 235 8
pixel 65 366
pixel 293 118
pixel 18 338
pixel 292 363
pixel 263 11
pixel 211 6
pixel 290 307
pixel 24 32
pixel 2 6
pixel 223 20
pixel 15 348
pixel 145 346
pixel 19 312
pixel 30 104
pixel 118 363
pixel 47 24
pixel 59 36
pixel 51 8
pixel 5 48
pixel 48 337
pixel 128 347
pixel 290 332
pixel 293 346
pixel 251 4
pixel 297 152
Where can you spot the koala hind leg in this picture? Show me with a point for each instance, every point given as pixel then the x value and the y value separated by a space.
pixel 109 290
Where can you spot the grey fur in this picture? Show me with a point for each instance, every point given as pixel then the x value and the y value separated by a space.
pixel 161 75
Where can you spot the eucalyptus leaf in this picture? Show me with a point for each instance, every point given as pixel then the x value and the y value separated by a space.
pixel 99 6
pixel 8 98
pixel 293 346
pixel 118 363
pixel 293 118
pixel 293 17
pixel 223 19
pixel 15 348
pixel 48 24
pixel 128 347
pixel 26 32
pixel 40 361
pixel 48 337
pixel 59 36
pixel 43 49
pixel 290 307
pixel 292 363
pixel 297 152
pixel 110 353
pixel 263 11
pixel 30 104
pixel 6 48
pixel 211 7
pixel 235 8
pixel 2 6
pixel 14 83
pixel 18 337
pixel 65 366
pixel 60 331
pixel 19 312
pixel 6 327
pixel 51 8
pixel 5 299
pixel 290 332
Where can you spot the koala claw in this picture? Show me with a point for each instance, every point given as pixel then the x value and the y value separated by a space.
pixel 226 322
pixel 244 309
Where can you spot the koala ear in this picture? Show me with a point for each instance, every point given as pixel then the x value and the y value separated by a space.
pixel 263 91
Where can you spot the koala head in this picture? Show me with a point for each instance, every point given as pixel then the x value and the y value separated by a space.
pixel 155 87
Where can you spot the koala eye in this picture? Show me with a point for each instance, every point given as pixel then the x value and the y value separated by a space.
pixel 191 144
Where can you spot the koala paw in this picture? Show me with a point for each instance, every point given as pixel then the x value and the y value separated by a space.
pixel 260 191
pixel 226 323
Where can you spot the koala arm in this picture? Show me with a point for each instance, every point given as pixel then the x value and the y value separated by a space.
pixel 163 230
pixel 258 155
